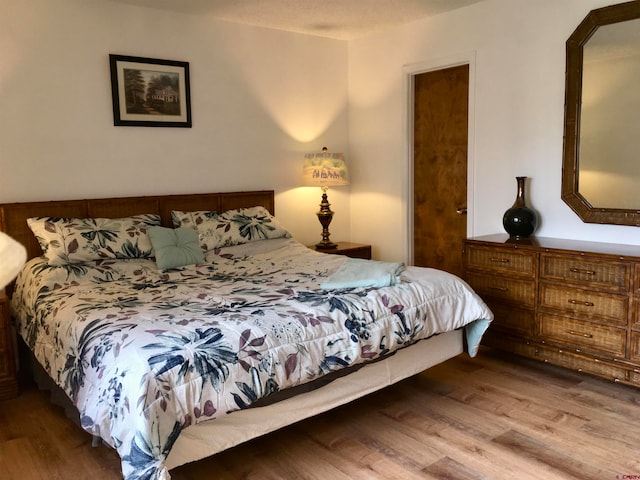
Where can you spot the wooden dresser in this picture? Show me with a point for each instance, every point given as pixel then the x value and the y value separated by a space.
pixel 571 303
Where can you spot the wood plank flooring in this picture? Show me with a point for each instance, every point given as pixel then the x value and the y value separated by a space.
pixel 492 417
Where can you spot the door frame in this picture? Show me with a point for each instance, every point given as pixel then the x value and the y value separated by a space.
pixel 410 71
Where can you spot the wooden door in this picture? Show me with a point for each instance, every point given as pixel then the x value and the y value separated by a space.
pixel 441 123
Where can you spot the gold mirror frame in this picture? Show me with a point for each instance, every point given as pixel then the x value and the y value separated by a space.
pixel 573 99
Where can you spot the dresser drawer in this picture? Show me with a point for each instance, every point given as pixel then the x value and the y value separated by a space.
pixel 509 344
pixel 635 315
pixel 583 334
pixel 582 270
pixel 581 364
pixel 4 365
pixel 604 307
pixel 512 319
pixel 519 292
pixel 501 260
pixel 634 350
pixel 636 279
pixel 634 377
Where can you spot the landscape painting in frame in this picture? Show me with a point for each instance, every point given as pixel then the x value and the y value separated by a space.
pixel 148 92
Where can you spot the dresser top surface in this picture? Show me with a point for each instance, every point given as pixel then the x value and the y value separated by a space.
pixel 560 244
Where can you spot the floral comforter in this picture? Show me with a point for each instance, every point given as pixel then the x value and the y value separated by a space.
pixel 144 354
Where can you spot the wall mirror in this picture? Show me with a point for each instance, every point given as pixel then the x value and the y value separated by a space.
pixel 601 158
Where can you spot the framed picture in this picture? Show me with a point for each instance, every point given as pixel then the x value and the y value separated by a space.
pixel 148 92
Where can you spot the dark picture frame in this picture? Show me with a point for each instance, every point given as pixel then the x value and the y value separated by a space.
pixel 149 92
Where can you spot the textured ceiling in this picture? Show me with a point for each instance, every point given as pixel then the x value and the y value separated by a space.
pixel 340 19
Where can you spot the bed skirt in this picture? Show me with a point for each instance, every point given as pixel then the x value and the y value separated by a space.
pixel 208 438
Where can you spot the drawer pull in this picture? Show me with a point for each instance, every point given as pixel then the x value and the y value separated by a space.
pixel 579 270
pixel 579 334
pixel 499 260
pixel 578 302
pixel 500 289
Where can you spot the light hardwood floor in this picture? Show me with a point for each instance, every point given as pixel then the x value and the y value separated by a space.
pixel 492 417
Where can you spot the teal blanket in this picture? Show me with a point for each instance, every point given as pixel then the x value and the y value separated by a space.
pixel 359 273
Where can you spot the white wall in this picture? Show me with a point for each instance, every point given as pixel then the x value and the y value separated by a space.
pixel 519 52
pixel 260 100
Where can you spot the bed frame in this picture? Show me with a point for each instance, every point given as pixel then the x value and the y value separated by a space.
pixel 208 438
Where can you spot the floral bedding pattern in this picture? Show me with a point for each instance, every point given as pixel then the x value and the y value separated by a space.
pixel 233 227
pixel 79 240
pixel 144 353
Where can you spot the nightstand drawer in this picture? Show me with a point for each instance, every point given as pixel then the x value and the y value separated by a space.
pixel 506 261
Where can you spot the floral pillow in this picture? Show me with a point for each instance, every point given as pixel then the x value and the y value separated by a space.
pixel 233 227
pixel 78 240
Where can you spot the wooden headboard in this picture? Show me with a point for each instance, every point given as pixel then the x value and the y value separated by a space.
pixel 13 216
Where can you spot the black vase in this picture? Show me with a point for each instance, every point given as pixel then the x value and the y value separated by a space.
pixel 520 221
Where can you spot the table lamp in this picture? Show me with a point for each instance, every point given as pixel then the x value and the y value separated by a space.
pixel 325 170
pixel 12 257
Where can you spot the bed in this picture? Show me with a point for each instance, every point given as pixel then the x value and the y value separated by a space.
pixel 181 325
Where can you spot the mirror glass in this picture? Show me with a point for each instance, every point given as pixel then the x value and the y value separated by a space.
pixel 601 157
pixel 609 148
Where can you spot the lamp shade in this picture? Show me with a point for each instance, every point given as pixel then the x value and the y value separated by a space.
pixel 324 170
pixel 12 257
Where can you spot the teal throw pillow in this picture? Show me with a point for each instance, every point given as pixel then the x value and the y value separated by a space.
pixel 175 248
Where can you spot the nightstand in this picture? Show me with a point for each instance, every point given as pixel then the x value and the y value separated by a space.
pixel 353 250
pixel 8 378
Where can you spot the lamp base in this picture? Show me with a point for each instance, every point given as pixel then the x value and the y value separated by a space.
pixel 326 245
pixel 325 215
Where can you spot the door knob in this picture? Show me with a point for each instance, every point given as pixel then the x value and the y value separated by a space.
pixel 461 210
